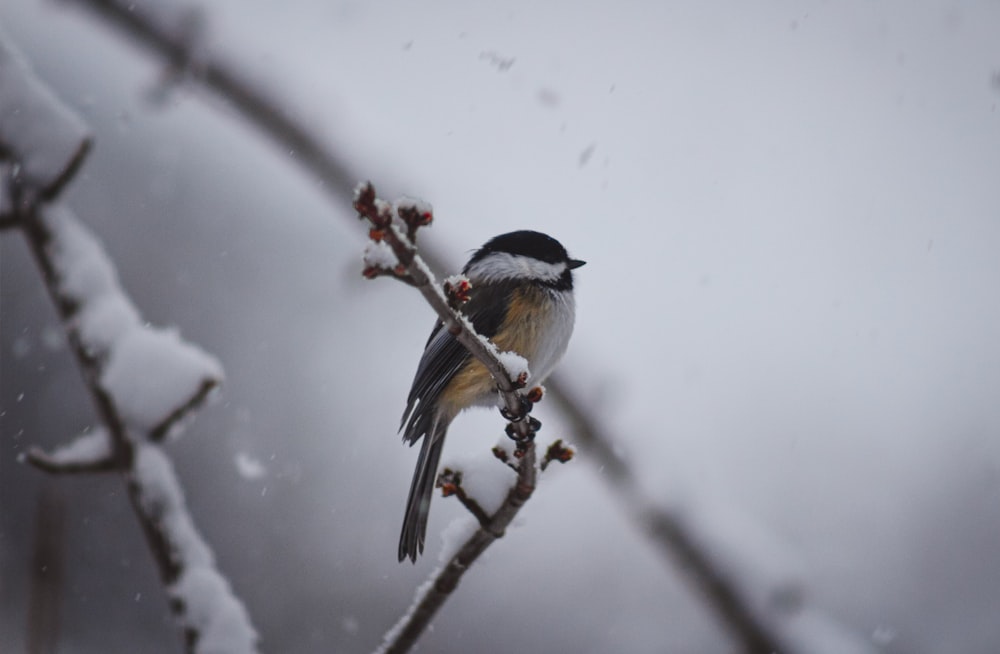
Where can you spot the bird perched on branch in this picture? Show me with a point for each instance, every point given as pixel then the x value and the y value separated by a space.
pixel 522 300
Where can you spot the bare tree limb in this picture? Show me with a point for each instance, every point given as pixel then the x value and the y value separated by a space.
pixel 166 29
pixel 670 535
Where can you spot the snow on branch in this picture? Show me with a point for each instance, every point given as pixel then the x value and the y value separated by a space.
pixel 396 227
pixel 144 381
pixel 152 376
pixel 433 593
pixel 212 618
pixel 393 252
pixel 88 452
pixel 46 139
pixel 267 115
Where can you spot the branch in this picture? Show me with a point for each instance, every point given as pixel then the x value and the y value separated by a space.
pixel 91 452
pixel 212 618
pixel 116 353
pixel 762 614
pixel 663 529
pixel 450 483
pixel 386 221
pixel 389 223
pixel 43 143
pixel 45 138
pixel 432 595
pixel 166 29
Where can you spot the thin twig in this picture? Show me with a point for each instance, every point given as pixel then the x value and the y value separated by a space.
pixel 380 214
pixel 663 530
pixel 450 483
pixel 388 223
pixel 438 589
pixel 144 21
pixel 47 463
pixel 194 402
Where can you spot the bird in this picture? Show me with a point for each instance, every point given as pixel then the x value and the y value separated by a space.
pixel 522 300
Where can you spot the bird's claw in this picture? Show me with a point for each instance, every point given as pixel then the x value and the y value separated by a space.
pixel 526 407
pixel 534 424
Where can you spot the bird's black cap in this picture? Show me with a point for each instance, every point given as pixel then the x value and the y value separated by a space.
pixel 528 243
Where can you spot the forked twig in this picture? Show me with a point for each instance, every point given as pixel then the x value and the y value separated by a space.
pixel 397 227
pixel 388 224
pixel 42 144
pixel 726 593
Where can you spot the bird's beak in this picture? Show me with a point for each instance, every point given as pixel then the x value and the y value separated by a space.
pixel 573 264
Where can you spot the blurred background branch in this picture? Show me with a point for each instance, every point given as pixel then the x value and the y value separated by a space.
pixel 730 595
pixel 143 381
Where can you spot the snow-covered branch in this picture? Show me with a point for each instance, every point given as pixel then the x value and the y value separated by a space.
pixel 144 381
pixel 212 618
pixel 395 226
pixel 434 592
pixel 153 378
pixel 388 223
pixel 45 138
pixel 89 452
pixel 724 589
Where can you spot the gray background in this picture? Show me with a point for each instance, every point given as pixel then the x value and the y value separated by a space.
pixel 791 214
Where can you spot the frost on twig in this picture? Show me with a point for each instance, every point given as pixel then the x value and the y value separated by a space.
pixel 433 593
pixel 393 252
pixel 558 452
pixel 396 226
pixel 450 483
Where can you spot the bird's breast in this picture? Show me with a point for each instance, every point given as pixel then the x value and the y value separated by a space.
pixel 538 325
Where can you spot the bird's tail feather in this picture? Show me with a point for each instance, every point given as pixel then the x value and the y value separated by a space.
pixel 418 504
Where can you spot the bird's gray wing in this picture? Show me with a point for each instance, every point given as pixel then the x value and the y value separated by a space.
pixel 444 356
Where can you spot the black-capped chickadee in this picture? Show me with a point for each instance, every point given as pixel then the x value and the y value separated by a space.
pixel 522 300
